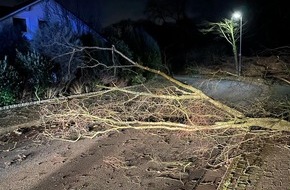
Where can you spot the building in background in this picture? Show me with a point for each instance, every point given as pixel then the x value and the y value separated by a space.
pixel 29 16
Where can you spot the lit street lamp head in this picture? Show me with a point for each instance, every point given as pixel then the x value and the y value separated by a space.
pixel 237 15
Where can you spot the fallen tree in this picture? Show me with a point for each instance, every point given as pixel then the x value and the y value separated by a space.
pixel 175 106
pixel 163 104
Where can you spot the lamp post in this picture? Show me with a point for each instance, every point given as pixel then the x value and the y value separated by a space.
pixel 238 15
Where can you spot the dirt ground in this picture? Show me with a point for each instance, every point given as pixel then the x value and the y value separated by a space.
pixel 139 159
pixel 133 159
pixel 130 159
pixel 136 159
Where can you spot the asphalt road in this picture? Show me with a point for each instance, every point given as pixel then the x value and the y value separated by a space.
pixel 237 91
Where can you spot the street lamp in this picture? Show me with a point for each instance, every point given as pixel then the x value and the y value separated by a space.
pixel 238 15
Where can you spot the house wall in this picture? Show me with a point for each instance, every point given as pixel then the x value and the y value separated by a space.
pixel 31 15
pixel 55 13
pixel 44 10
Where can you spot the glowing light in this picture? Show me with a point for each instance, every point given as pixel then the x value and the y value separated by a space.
pixel 237 15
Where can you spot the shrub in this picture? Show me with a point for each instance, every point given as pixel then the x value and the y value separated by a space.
pixel 36 68
pixel 145 47
pixel 7 97
pixel 9 76
pixel 10 83
pixel 138 79
pixel 136 44
pixel 57 42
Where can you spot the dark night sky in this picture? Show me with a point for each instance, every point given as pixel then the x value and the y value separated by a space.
pixel 113 11
pixel 116 10
pixel 266 22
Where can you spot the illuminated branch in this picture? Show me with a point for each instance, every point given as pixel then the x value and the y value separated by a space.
pixel 225 29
